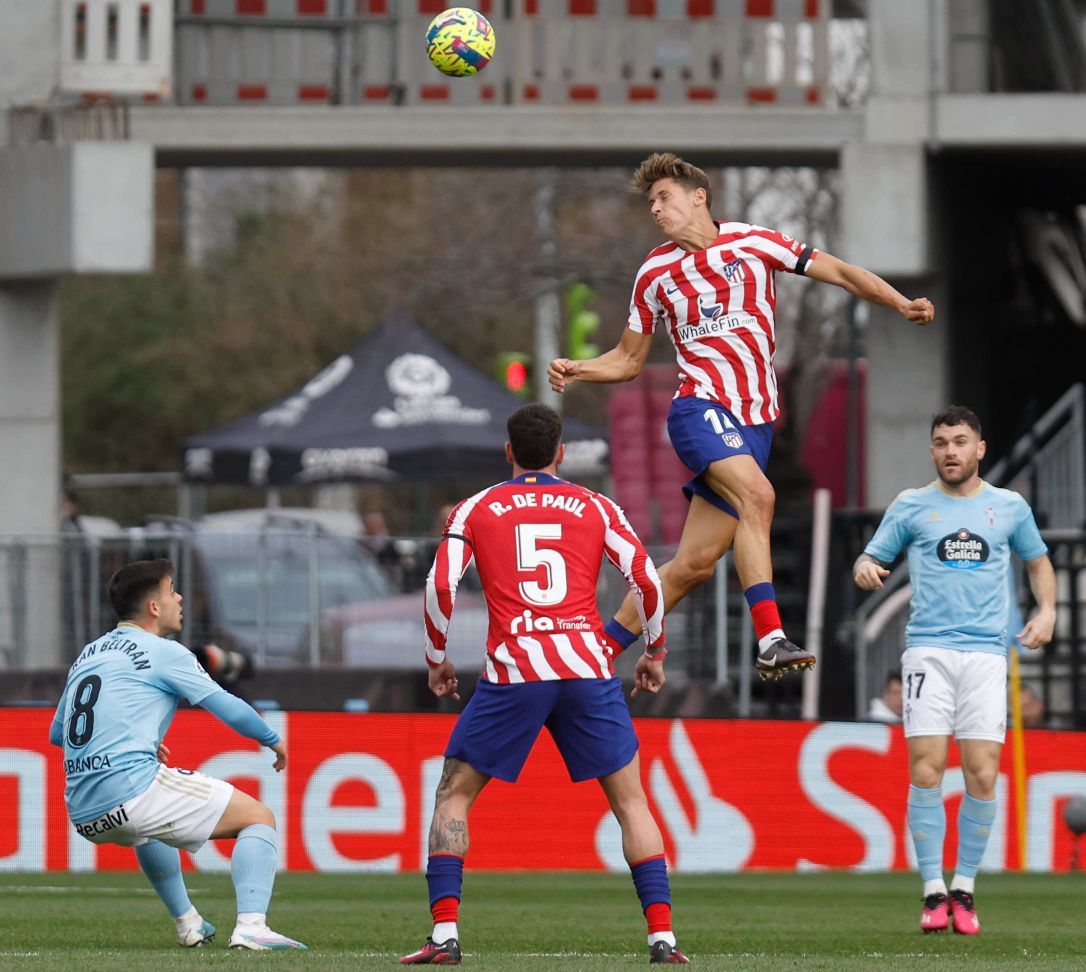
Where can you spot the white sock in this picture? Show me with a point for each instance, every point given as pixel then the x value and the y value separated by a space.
pixel 251 918
pixel 190 917
pixel 765 642
pixel 667 936
pixel 962 883
pixel 443 931
pixel 938 886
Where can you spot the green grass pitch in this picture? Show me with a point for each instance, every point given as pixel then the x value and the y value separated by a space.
pixel 832 921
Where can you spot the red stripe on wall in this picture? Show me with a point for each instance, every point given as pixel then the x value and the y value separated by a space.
pixel 252 92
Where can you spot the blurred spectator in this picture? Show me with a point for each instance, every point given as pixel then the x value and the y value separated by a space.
pixel 887 707
pixel 69 520
pixel 378 541
pixel 470 581
pixel 1033 709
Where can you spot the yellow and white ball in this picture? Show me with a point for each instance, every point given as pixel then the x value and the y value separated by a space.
pixel 460 42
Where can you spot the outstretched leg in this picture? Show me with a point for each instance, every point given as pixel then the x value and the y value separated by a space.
pixel 707 535
pixel 643 848
pixel 457 790
pixel 162 865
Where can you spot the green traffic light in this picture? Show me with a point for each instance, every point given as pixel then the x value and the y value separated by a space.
pixel 581 323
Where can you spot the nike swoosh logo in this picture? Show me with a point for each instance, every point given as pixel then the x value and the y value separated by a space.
pixel 671 290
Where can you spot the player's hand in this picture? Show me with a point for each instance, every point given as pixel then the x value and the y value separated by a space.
pixel 443 681
pixel 648 675
pixel 920 311
pixel 280 751
pixel 869 576
pixel 1038 630
pixel 562 372
pixel 163 754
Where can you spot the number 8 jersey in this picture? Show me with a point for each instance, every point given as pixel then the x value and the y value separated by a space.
pixel 538 543
pixel 121 693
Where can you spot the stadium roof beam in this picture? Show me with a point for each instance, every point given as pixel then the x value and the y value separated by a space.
pixel 363 136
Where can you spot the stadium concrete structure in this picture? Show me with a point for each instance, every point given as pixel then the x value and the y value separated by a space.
pixel 931 149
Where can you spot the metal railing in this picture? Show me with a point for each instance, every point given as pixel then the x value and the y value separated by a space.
pixel 548 52
pixel 1047 466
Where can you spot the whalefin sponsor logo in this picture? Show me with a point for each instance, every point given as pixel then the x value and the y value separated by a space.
pixel 710 327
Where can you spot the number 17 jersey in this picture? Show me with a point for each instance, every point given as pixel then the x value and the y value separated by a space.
pixel 538 543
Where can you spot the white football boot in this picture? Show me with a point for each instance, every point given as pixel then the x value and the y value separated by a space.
pixel 260 938
pixel 196 933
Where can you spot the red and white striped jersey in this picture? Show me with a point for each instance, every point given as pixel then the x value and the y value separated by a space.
pixel 538 543
pixel 719 307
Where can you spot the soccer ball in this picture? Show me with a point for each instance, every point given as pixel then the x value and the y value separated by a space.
pixel 459 42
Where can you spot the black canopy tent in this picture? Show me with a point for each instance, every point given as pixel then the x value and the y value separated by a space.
pixel 398 405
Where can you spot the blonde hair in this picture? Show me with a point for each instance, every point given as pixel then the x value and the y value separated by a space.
pixel 667 165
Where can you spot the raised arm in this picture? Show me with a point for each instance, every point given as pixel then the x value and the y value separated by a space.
pixel 870 287
pixel 1042 582
pixel 622 363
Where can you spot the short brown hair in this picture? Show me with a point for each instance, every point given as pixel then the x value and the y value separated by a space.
pixel 535 432
pixel 134 583
pixel 957 415
pixel 667 165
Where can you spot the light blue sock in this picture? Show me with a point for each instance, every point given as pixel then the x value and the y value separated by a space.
pixel 253 868
pixel 927 824
pixel 974 825
pixel 162 865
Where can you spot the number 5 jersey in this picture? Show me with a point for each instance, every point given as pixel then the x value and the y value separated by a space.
pixel 538 543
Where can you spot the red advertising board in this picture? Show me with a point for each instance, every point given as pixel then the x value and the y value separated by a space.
pixel 729 795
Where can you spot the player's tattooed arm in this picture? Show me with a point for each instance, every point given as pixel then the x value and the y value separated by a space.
pixel 868 573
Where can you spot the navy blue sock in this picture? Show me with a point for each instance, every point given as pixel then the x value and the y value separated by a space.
pixel 757 593
pixel 650 880
pixel 444 876
pixel 619 634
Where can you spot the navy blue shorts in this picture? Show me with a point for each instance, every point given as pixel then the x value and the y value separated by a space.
pixel 702 432
pixel 587 717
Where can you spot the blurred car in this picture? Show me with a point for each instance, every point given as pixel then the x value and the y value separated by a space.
pixel 294 586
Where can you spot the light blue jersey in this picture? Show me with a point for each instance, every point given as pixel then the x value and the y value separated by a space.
pixel 959 551
pixel 118 702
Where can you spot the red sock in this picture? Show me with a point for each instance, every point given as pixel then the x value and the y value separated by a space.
pixel 766 618
pixel 445 909
pixel 659 917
